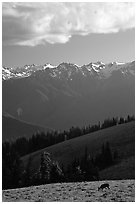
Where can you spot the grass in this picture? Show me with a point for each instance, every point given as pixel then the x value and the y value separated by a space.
pixel 120 191
pixel 123 170
pixel 120 137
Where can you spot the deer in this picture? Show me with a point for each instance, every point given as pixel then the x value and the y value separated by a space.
pixel 103 186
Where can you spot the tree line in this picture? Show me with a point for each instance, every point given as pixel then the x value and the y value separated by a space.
pixel 13 177
pixel 81 169
pixel 24 146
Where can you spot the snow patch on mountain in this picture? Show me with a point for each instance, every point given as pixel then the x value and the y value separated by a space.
pixel 68 70
pixel 50 66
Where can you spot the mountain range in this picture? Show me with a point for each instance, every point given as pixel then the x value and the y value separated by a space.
pixel 68 95
pixel 99 69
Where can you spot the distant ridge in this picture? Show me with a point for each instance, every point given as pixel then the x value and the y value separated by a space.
pixel 28 70
pixel 13 128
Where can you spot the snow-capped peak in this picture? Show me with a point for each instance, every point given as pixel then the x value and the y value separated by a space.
pixel 68 69
pixel 94 68
pixel 48 66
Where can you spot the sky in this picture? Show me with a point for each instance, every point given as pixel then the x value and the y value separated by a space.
pixel 72 32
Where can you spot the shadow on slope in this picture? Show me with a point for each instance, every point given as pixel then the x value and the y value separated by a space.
pixel 121 138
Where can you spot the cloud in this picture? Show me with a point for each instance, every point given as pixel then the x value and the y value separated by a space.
pixel 31 24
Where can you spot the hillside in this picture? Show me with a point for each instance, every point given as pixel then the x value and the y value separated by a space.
pixel 120 191
pixel 121 138
pixel 13 128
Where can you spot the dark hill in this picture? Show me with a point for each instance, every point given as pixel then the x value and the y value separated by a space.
pixel 120 137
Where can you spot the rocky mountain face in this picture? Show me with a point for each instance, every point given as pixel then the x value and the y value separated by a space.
pixel 68 70
pixel 68 95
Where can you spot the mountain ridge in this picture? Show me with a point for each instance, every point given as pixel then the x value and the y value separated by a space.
pixel 13 128
pixel 28 70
